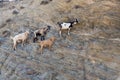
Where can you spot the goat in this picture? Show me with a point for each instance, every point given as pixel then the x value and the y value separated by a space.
pixel 20 38
pixel 66 26
pixel 46 43
pixel 41 32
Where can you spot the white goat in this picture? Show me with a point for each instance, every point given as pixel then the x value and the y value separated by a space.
pixel 19 38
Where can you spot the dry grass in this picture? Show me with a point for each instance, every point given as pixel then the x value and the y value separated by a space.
pixel 99 26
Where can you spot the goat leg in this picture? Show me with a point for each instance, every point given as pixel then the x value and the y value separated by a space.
pixel 35 34
pixel 35 39
pixel 50 47
pixel 42 38
pixel 68 31
pixel 14 48
pixel 22 43
pixel 14 45
pixel 41 49
pixel 60 33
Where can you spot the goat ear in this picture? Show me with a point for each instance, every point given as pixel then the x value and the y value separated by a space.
pixel 76 20
pixel 28 32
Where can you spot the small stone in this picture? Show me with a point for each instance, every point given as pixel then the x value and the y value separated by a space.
pixel 15 11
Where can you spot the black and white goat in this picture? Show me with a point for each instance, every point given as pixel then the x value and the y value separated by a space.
pixel 41 32
pixel 66 26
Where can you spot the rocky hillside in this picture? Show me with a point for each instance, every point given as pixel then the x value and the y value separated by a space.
pixel 92 52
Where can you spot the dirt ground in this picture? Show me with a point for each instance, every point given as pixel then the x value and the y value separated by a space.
pixel 91 52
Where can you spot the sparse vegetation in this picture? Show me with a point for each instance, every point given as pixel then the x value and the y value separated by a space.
pixel 91 52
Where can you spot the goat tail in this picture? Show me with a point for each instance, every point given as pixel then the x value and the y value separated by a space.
pixel 11 37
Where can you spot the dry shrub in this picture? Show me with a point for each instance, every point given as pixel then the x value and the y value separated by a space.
pixel 77 6
pixel 67 1
pixel 3 25
pixel 8 20
pixel 44 2
pixel 5 33
pixel 22 7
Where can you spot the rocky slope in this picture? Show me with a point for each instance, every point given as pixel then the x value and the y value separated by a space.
pixel 92 52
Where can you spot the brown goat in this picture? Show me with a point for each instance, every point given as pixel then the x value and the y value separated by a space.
pixel 46 43
pixel 41 32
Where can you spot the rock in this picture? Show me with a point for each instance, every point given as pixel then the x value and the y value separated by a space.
pixel 15 11
pixel 22 7
pixel 8 20
pixel 31 72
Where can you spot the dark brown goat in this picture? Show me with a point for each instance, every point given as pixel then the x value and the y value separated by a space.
pixel 41 32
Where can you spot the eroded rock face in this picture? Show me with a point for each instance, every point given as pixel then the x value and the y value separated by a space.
pixel 91 52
